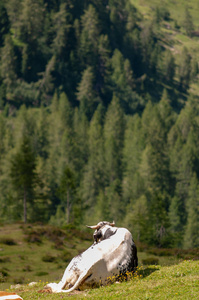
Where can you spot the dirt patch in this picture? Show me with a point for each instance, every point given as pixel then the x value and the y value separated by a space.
pixel 49 291
pixel 45 290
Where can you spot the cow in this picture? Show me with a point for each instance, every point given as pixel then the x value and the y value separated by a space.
pixel 113 253
pixel 9 296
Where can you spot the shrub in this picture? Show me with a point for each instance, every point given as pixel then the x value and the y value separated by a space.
pixel 59 245
pixel 19 280
pixel 3 275
pixel 8 241
pixel 4 259
pixel 65 256
pixel 27 268
pixel 33 237
pixel 41 273
pixel 48 258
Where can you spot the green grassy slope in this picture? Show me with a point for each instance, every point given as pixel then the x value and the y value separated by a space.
pixel 175 37
pixel 176 7
pixel 37 253
pixel 41 253
pixel 174 282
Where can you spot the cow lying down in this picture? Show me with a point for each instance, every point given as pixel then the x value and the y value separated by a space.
pixel 113 253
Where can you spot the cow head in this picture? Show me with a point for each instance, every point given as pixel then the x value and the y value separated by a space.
pixel 103 230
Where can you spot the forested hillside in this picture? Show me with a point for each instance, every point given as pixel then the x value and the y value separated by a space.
pixel 99 116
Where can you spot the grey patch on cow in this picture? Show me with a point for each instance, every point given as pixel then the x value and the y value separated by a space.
pixel 132 263
pixel 109 233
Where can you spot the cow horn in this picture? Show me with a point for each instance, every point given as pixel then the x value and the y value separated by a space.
pixel 99 225
pixel 93 227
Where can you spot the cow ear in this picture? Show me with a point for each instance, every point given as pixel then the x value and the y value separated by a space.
pixel 112 224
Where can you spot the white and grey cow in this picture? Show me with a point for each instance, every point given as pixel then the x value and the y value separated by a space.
pixel 112 254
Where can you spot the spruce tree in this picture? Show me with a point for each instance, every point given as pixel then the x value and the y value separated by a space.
pixel 4 23
pixel 66 190
pixel 133 147
pixel 185 69
pixel 89 37
pixel 114 139
pixel 94 181
pixel 22 173
pixel 137 219
pixel 155 169
pixel 61 27
pixel 191 239
pixel 169 67
pixel 86 93
pixel 8 66
pixel 188 22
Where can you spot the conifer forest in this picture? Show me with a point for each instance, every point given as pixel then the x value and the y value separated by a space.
pixel 99 117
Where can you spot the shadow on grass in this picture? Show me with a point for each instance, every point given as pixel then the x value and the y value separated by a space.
pixel 144 272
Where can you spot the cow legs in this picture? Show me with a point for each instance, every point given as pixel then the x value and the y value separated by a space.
pixel 81 278
pixel 57 287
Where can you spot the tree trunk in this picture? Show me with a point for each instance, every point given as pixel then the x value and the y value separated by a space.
pixel 68 207
pixel 25 206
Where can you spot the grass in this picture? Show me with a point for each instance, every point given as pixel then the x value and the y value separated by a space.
pixel 36 253
pixel 41 253
pixel 177 14
pixel 153 282
pixel 33 253
pixel 174 36
pixel 176 8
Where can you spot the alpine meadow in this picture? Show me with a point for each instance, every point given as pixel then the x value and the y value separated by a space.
pixel 99 116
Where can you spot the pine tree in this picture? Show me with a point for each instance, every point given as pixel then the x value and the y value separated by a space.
pixel 42 134
pixel 114 139
pixel 183 142
pixel 86 93
pixel 147 44
pixel 133 147
pixel 32 19
pixel 137 219
pixel 188 22
pixel 14 9
pixel 2 135
pixel 176 219
pixel 185 69
pixel 62 27
pixel 81 127
pixel 122 82
pixel 67 189
pixel 46 84
pixel 102 68
pixel 8 65
pixel 4 23
pixel 155 168
pixel 89 37
pixel 60 144
pixel 169 67
pixel 94 181
pixel 191 239
pixel 23 174
pixel 194 68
